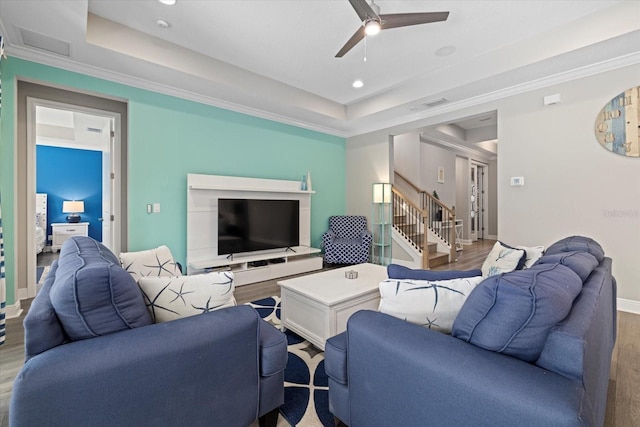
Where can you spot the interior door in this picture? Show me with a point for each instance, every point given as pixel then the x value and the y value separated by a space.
pixel 473 202
pixel 480 201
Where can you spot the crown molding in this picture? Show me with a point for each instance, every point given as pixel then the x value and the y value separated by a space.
pixel 113 76
pixel 402 121
pixel 570 75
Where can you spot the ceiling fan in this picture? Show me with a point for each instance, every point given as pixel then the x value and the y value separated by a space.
pixel 373 21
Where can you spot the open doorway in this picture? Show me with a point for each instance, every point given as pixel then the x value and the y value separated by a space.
pixel 112 118
pixel 458 159
pixel 83 142
pixel 75 158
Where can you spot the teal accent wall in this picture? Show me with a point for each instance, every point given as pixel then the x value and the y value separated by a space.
pixel 170 137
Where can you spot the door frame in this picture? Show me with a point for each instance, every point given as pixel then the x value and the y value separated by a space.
pixel 25 258
pixel 113 171
pixel 481 211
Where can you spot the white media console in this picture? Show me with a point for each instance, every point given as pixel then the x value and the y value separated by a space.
pixel 203 192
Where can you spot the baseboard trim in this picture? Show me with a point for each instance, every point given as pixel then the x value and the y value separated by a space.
pixel 628 305
pixel 12 311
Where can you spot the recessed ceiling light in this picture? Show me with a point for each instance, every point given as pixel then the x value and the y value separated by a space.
pixel 162 23
pixel 445 51
pixel 358 84
pixel 168 2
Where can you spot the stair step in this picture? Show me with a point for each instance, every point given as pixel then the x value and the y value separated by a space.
pixel 438 258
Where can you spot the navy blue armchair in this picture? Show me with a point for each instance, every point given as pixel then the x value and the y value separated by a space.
pixel 347 241
pixel 384 371
pixel 220 368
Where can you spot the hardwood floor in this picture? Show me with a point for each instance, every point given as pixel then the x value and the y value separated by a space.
pixel 623 400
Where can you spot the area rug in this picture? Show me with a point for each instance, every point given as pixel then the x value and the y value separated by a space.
pixel 306 392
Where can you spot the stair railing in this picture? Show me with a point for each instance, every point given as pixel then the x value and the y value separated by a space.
pixel 410 221
pixel 439 218
pixel 442 221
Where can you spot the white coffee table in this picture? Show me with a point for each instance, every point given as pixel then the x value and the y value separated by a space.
pixel 317 306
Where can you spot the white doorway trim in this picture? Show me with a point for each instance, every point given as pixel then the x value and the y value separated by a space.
pixel 111 179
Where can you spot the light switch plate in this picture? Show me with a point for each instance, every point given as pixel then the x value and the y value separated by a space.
pixel 156 207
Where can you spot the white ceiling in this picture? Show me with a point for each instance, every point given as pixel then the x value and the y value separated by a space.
pixel 275 59
pixel 71 129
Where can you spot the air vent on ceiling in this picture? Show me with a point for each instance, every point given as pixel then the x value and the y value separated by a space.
pixel 95 130
pixel 40 41
pixel 434 102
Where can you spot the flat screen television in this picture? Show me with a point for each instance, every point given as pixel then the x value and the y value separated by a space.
pixel 247 225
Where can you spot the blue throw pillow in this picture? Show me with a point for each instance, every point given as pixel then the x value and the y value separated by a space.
pixel 395 271
pixel 513 313
pixel 92 294
pixel 582 263
pixel 577 243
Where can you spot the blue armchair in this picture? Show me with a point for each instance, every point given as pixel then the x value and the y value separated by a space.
pixel 220 368
pixel 384 371
pixel 347 241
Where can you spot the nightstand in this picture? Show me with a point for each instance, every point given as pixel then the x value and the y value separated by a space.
pixel 63 230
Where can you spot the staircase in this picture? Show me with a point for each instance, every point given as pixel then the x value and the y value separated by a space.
pixel 425 226
pixel 416 237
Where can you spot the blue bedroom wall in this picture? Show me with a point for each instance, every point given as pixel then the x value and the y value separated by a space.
pixel 71 174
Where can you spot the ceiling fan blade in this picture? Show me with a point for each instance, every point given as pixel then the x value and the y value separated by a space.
pixel 396 20
pixel 354 40
pixel 363 10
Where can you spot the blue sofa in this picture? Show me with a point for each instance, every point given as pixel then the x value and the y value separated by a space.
pixel 93 356
pixel 384 371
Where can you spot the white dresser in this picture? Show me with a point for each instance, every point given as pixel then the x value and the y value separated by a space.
pixel 61 231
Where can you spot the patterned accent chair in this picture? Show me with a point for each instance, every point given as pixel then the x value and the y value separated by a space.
pixel 347 241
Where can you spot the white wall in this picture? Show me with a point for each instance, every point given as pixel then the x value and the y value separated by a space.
pixel 406 156
pixel 492 200
pixel 369 160
pixel 433 157
pixel 419 162
pixel 573 185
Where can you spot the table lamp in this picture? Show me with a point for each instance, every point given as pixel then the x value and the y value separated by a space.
pixel 73 207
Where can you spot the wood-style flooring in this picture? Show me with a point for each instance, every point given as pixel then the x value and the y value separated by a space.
pixel 623 401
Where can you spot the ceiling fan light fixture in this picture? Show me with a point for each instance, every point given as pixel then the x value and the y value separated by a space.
pixel 371 27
